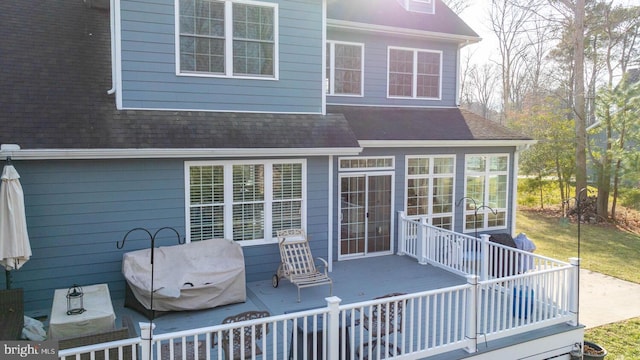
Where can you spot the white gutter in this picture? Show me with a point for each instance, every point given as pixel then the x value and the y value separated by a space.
pixel 77 154
pixel 442 143
pixel 112 15
pixel 350 25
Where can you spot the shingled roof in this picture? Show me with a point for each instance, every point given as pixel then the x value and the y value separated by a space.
pixel 390 13
pixel 56 70
pixel 422 124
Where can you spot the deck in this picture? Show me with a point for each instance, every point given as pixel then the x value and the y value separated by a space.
pixel 353 281
pixel 457 297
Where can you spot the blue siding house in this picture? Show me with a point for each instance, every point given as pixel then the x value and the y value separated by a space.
pixel 237 118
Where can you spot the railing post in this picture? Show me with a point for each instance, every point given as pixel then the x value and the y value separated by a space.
pixel 146 334
pixel 424 253
pixel 333 334
pixel 402 234
pixel 574 291
pixel 471 319
pixel 484 265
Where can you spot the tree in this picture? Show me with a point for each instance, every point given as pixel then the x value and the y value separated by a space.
pixel 552 156
pixel 457 6
pixel 618 110
pixel 613 36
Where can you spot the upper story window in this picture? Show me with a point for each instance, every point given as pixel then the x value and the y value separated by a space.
pixel 228 38
pixel 344 68
pixel 487 183
pixel 414 73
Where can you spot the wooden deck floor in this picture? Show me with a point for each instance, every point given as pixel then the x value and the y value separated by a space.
pixel 353 281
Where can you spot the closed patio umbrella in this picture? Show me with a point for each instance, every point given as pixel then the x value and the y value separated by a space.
pixel 15 249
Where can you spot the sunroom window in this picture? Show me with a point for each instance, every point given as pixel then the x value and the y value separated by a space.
pixel 227 38
pixel 430 189
pixel 247 202
pixel 487 183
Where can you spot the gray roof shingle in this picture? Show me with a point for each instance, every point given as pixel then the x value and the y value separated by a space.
pixel 391 13
pixel 56 63
pixel 427 124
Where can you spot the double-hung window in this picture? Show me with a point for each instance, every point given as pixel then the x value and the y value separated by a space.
pixel 487 183
pixel 344 68
pixel 227 38
pixel 244 201
pixel 414 73
pixel 430 185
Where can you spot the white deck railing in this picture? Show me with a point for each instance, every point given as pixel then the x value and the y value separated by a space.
pixel 464 254
pixel 508 292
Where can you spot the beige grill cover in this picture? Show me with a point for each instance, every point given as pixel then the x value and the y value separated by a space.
pixel 191 276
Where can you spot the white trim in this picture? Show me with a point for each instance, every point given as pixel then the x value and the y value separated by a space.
pixel 118 54
pixel 442 143
pixel 360 169
pixel 430 177
pixel 228 43
pixel 366 174
pixel 223 110
pixel 323 85
pixel 414 75
pixel 332 58
pixel 330 213
pixel 351 25
pixel 76 154
pixel 486 174
pixel 398 106
pixel 267 201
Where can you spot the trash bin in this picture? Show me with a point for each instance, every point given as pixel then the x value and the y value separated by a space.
pixel 593 351
pixel 522 302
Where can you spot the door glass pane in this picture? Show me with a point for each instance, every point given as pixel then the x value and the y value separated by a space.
pixel 379 217
pixel 352 204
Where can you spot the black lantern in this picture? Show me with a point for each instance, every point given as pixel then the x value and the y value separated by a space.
pixel 74 300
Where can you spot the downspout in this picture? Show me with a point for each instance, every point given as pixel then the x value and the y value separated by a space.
pixel 323 83
pixel 330 212
pixel 112 16
pixel 514 195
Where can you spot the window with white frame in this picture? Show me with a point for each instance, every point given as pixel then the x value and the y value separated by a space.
pixel 227 38
pixel 344 68
pixel 430 189
pixel 487 183
pixel 414 73
pixel 244 201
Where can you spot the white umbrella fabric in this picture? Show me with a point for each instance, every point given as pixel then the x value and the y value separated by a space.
pixel 15 248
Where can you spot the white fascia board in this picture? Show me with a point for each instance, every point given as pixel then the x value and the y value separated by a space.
pixel 350 25
pixel 444 143
pixel 77 154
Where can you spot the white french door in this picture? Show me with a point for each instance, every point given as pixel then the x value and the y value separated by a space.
pixel 365 212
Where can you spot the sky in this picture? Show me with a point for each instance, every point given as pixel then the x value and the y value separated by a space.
pixel 477 17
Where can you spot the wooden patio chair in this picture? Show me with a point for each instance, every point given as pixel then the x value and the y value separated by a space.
pixel 239 341
pixel 384 321
pixel 297 263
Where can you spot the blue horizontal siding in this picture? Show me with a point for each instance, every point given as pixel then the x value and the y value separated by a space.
pixel 148 64
pixel 375 69
pixel 78 210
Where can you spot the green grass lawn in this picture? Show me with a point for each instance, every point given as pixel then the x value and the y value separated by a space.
pixel 603 249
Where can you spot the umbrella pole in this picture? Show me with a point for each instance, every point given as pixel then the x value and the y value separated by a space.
pixel 7 275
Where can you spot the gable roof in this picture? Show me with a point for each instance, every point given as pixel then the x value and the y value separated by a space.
pixel 56 65
pixel 391 14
